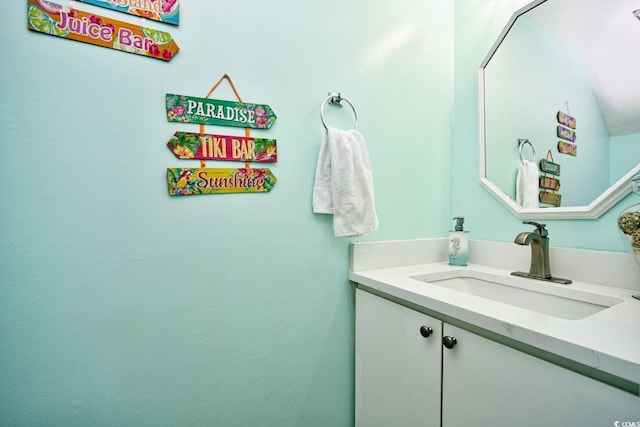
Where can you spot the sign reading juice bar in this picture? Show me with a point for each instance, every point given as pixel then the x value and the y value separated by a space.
pixel 73 24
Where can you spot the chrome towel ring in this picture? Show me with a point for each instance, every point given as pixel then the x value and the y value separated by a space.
pixel 522 142
pixel 336 99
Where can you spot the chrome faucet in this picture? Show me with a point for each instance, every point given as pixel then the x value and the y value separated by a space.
pixel 539 241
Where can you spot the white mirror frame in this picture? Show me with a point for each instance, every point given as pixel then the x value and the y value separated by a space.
pixel 595 209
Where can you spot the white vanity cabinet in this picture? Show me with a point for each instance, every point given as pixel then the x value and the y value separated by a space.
pixel 489 384
pixel 405 379
pixel 398 364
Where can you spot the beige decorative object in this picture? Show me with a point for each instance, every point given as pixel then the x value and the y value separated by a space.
pixel 629 222
pixel 629 225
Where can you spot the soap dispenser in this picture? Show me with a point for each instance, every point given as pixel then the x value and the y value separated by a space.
pixel 458 243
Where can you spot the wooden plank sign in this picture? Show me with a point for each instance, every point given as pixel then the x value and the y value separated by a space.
pixel 566 134
pixel 189 109
pixel 549 183
pixel 549 198
pixel 567 148
pixel 187 145
pixel 191 181
pixel 167 11
pixel 567 120
pixel 549 167
pixel 72 24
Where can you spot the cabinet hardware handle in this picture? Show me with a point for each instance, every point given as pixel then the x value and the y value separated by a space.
pixel 426 331
pixel 449 342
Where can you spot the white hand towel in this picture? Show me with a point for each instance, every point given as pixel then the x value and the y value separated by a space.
pixel 527 184
pixel 344 183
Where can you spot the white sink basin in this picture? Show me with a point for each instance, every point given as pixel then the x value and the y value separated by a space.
pixel 548 298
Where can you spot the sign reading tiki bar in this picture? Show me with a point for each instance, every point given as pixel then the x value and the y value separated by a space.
pixel 187 145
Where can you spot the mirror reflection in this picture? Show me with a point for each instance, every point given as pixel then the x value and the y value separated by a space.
pixel 565 59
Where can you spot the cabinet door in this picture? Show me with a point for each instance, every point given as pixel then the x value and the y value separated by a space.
pixel 398 370
pixel 489 384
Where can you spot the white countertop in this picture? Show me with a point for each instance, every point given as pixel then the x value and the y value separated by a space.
pixel 608 341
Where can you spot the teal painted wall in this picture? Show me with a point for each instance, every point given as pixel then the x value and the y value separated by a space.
pixel 123 306
pixel 477 25
pixel 625 153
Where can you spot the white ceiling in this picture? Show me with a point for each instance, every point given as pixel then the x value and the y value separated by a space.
pixel 606 33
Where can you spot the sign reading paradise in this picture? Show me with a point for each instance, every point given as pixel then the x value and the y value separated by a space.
pixel 189 109
pixel 72 24
pixel 187 145
pixel 167 11
pixel 192 181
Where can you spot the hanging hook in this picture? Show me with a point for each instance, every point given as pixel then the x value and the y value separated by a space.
pixel 335 98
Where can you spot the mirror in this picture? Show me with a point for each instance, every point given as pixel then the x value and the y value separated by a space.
pixel 574 57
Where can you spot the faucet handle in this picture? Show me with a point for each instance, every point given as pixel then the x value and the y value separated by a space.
pixel 540 228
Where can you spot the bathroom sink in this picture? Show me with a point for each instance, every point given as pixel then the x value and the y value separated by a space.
pixel 542 297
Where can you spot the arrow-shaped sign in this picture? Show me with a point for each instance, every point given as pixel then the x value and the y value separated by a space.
pixel 549 198
pixel 187 145
pixel 565 133
pixel 167 11
pixel 190 181
pixel 72 24
pixel 549 183
pixel 567 148
pixel 189 109
pixel 547 166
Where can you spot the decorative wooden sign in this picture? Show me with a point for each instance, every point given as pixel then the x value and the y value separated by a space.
pixel 167 11
pixel 567 148
pixel 72 24
pixel 567 120
pixel 188 181
pixel 566 134
pixel 187 145
pixel 189 109
pixel 549 183
pixel 549 167
pixel 549 198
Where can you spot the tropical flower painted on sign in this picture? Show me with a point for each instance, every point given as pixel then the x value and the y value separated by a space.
pixel 169 5
pixel 262 122
pixel 184 145
pixel 183 152
pixel 258 173
pixel 265 150
pixel 264 117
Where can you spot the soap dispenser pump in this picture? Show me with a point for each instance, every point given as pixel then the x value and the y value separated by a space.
pixel 458 243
